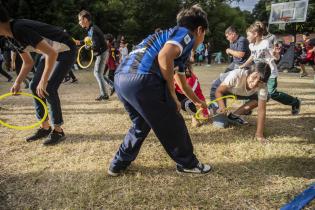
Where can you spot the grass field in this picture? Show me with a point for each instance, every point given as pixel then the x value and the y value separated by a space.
pixel 72 174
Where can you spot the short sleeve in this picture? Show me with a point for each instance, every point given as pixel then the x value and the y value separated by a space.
pixel 231 79
pixel 243 45
pixel 182 38
pixel 27 36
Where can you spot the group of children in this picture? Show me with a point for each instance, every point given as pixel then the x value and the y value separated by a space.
pixel 144 82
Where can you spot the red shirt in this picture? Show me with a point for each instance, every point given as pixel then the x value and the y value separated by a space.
pixel 195 86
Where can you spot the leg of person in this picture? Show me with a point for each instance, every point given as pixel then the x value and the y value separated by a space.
pixel 4 73
pixel 110 83
pixel 98 73
pixel 45 128
pixel 73 77
pixel 282 97
pixel 149 96
pixel 63 65
pixel 137 133
pixel 235 117
pixel 303 72
pixel 231 67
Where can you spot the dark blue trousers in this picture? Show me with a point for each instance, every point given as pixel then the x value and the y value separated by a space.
pixel 149 105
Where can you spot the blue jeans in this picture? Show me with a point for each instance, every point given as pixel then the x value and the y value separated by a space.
pixel 99 68
pixel 150 105
pixel 62 66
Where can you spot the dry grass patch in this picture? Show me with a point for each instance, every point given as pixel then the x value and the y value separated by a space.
pixel 72 175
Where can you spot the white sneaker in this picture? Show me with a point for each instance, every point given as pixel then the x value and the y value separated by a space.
pixel 199 169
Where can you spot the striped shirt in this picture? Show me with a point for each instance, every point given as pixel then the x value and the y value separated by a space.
pixel 143 59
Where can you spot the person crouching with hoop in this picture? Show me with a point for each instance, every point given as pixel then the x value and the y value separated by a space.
pixel 245 84
pixel 58 55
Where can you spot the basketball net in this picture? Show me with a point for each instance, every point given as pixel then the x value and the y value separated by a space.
pixel 282 25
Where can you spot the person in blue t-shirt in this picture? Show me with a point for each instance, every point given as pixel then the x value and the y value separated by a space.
pixel 144 82
pixel 239 48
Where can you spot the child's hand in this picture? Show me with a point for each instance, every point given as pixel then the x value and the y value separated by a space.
pixel 15 88
pixel 202 105
pixel 222 110
pixel 262 139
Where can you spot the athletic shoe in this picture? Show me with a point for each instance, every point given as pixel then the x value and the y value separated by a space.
pixel 303 75
pixel 40 133
pixel 296 107
pixel 114 172
pixel 54 137
pixel 234 119
pixel 10 79
pixel 74 80
pixel 66 79
pixel 199 169
pixel 100 98
pixel 112 91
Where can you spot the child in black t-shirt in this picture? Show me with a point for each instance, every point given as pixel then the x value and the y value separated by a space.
pixel 58 55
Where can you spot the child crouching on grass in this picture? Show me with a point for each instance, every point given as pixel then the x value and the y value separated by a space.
pixel 186 104
pixel 245 84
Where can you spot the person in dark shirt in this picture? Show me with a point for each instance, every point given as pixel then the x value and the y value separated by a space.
pixel 144 82
pixel 238 49
pixel 58 55
pixel 100 50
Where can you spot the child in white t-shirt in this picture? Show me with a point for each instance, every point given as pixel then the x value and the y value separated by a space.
pixel 263 49
pixel 245 84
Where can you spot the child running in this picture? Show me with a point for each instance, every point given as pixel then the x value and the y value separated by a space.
pixel 262 49
pixel 144 82
pixel 246 85
pixel 58 55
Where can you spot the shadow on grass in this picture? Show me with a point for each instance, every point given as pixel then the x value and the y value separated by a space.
pixel 94 189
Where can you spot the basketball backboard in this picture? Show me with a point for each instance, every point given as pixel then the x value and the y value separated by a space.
pixel 288 12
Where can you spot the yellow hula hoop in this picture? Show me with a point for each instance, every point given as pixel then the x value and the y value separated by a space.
pixel 198 115
pixel 29 126
pixel 78 58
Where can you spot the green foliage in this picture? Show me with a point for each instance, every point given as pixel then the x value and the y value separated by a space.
pixel 134 19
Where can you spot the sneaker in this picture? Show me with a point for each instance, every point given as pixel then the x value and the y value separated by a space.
pixel 40 133
pixel 303 75
pixel 10 79
pixel 234 119
pixel 112 91
pixel 66 79
pixel 54 137
pixel 74 80
pixel 199 169
pixel 296 107
pixel 250 112
pixel 100 98
pixel 114 172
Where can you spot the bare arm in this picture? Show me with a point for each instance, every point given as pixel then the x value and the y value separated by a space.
pixel 25 69
pixel 221 90
pixel 50 59
pixel 234 53
pixel 248 62
pixel 166 59
pixel 261 120
pixel 182 83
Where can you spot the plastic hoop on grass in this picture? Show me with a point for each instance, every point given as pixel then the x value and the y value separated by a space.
pixel 199 116
pixel 29 126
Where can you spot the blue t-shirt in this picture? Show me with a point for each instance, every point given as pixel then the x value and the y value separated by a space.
pixel 143 59
pixel 241 44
